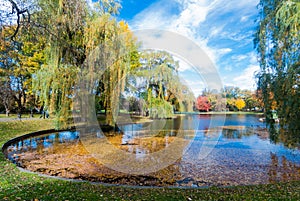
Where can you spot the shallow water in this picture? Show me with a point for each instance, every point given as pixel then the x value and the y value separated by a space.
pixel 195 150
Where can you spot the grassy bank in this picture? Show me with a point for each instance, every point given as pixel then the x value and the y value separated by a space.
pixel 17 185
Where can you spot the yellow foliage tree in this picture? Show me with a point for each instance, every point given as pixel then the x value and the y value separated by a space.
pixel 240 104
pixel 19 60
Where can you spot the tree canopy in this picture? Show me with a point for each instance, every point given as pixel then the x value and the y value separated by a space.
pixel 278 43
pixel 160 83
pixel 51 51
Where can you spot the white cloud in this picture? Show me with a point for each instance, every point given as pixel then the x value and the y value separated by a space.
pixel 193 14
pixel 244 37
pixel 234 5
pixel 224 51
pixel 215 31
pixel 200 21
pixel 244 18
pixel 253 58
pixel 156 16
pixel 247 79
pixel 195 86
pixel 238 58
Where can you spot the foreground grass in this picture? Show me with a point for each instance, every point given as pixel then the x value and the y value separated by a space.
pixel 17 185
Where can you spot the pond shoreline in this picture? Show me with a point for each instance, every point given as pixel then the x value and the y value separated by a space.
pixel 34 163
pixel 16 184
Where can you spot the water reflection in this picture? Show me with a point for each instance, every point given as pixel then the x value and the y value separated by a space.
pixel 282 169
pixel 290 138
pixel 41 143
pixel 239 152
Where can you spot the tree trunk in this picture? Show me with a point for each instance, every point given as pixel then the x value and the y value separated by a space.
pixel 31 113
pixel 7 111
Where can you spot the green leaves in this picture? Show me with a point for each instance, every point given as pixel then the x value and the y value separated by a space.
pixel 159 78
pixel 277 44
pixel 89 43
pixel 288 18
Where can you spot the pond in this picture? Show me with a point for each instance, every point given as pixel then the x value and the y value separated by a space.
pixel 187 151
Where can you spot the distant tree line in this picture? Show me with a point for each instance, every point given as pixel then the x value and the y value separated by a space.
pixel 229 99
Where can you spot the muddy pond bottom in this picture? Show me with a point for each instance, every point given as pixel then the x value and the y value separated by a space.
pixel 226 156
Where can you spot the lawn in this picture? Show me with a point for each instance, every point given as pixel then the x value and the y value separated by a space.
pixel 10 116
pixel 18 185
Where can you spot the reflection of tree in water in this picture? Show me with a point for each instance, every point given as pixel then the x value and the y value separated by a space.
pixel 234 133
pixel 40 145
pixel 274 133
pixel 282 169
pixel 290 138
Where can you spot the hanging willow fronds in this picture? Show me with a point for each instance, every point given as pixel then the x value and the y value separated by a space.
pixel 75 30
pixel 277 44
pixel 165 90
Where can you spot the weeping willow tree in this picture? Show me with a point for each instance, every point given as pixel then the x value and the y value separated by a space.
pixel 163 90
pixel 109 63
pixel 277 43
pixel 82 40
pixel 64 55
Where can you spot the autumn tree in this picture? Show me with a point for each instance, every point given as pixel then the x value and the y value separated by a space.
pixel 6 64
pixel 240 104
pixel 92 45
pixel 72 42
pixel 20 58
pixel 203 104
pixel 6 95
pixel 216 99
pixel 277 43
pixel 107 66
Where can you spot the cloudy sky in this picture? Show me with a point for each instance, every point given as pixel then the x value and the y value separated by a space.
pixel 222 28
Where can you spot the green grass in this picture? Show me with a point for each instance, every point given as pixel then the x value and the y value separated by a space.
pixel 14 116
pixel 10 116
pixel 18 185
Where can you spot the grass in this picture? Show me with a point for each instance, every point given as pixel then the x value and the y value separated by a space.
pixel 15 116
pixel 10 116
pixel 18 185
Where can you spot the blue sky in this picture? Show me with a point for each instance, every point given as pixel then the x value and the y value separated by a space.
pixel 222 28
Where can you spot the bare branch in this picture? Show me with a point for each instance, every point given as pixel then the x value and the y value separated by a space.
pixel 20 13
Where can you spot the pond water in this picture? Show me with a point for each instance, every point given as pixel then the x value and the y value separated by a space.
pixel 191 151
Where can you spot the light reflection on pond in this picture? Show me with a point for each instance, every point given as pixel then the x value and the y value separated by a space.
pixel 241 153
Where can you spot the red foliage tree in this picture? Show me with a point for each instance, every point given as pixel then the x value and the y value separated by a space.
pixel 203 104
